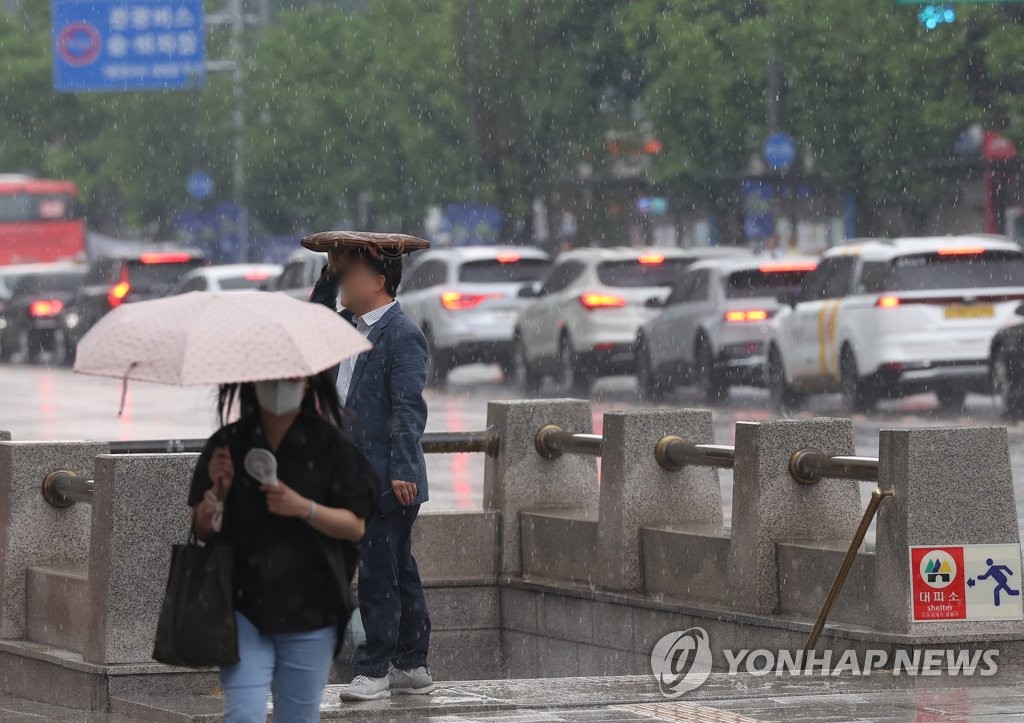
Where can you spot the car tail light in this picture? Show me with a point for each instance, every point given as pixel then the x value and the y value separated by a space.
pixel 962 251
pixel 119 290
pixel 887 302
pixel 257 276
pixel 788 266
pixel 164 258
pixel 509 258
pixel 46 307
pixel 592 301
pixel 746 315
pixel 455 300
pixel 651 259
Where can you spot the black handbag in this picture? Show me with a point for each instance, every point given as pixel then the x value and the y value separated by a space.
pixel 197 620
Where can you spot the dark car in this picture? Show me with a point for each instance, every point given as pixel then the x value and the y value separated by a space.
pixel 124 279
pixel 1006 365
pixel 32 315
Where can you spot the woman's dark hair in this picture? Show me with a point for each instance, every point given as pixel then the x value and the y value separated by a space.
pixel 321 398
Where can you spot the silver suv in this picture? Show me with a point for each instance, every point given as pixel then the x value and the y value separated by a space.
pixel 466 301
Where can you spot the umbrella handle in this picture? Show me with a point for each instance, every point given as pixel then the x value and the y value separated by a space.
pixel 124 388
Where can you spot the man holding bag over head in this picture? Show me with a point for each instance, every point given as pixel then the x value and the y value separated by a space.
pixel 382 394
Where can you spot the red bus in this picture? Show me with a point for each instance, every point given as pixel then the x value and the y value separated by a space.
pixel 39 220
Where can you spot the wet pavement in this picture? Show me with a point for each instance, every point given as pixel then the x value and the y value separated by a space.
pixel 745 698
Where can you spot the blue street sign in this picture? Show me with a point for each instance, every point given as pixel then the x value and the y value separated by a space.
pixel 199 185
pixel 120 45
pixel 779 151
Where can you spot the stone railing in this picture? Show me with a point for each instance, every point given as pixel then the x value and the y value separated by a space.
pixel 561 573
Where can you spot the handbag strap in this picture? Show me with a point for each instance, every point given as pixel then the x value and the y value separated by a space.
pixel 192 538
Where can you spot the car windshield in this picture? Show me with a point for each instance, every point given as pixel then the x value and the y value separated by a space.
pixel 953 270
pixel 510 270
pixel 240 283
pixel 157 275
pixel 48 283
pixel 752 283
pixel 638 273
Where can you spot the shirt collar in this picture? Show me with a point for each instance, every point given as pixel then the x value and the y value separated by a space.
pixel 372 317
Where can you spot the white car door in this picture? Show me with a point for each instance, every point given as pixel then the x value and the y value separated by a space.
pixel 663 338
pixel 539 322
pixel 809 331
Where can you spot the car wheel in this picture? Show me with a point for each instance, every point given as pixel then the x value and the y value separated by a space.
pixel 574 378
pixel 951 399
pixel 783 397
pixel 859 395
pixel 1006 390
pixel 650 387
pixel 710 381
pixel 438 364
pixel 524 375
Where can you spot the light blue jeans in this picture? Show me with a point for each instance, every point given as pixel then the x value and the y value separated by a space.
pixel 294 667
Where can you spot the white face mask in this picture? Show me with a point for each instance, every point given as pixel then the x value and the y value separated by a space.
pixel 281 396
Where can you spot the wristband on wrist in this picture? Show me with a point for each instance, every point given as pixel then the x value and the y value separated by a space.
pixel 312 511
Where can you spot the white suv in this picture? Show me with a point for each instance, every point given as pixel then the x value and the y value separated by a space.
pixel 584 321
pixel 884 318
pixel 715 326
pixel 466 300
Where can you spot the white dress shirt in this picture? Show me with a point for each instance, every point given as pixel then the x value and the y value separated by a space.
pixel 347 367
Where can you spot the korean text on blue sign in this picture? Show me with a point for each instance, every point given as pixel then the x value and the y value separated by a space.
pixel 119 45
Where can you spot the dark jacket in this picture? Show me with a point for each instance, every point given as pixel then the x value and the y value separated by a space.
pixel 385 406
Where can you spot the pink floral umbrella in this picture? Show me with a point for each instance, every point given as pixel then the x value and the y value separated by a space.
pixel 205 338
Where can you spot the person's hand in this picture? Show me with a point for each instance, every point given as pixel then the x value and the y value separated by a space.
pixel 211 511
pixel 222 471
pixel 405 492
pixel 283 501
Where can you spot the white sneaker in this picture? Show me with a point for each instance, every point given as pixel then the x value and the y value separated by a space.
pixel 363 687
pixel 417 681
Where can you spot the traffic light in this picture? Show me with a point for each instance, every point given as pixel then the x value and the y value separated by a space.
pixel 932 16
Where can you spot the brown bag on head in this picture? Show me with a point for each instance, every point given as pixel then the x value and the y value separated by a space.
pixel 197 620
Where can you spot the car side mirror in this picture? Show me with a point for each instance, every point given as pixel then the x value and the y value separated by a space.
pixel 788 297
pixel 655 302
pixel 1019 311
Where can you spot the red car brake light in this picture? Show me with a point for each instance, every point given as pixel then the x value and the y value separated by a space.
pixel 595 300
pixel 164 258
pixel 746 315
pixel 45 307
pixel 119 290
pixel 455 300
pixel 887 302
pixel 651 259
pixel 788 266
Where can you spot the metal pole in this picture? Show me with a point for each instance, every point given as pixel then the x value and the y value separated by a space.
pixel 809 466
pixel 551 442
pixel 473 63
pixel 485 441
pixel 673 453
pixel 877 495
pixel 238 167
pixel 64 488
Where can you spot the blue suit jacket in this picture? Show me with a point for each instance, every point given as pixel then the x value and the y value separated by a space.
pixel 385 405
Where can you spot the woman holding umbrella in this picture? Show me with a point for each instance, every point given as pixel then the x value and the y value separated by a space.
pixel 294 540
pixel 288 525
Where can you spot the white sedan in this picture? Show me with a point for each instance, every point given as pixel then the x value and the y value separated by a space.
pixel 229 277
